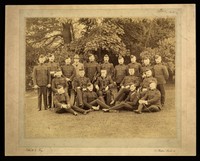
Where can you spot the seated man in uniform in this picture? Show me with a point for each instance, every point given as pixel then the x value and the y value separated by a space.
pixel 125 85
pixel 80 85
pixel 151 102
pixel 61 101
pixel 91 99
pixel 144 86
pixel 103 86
pixel 130 102
pixel 59 80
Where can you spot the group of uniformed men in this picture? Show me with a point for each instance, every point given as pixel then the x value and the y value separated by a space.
pixel 134 87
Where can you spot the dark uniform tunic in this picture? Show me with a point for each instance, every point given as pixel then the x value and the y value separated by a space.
pixel 130 102
pixel 90 98
pixel 58 81
pixel 103 83
pixel 121 71
pixel 153 98
pixel 137 66
pixel 109 68
pixel 41 77
pixel 60 99
pixel 82 83
pixel 77 67
pixel 129 80
pixel 68 71
pixel 92 70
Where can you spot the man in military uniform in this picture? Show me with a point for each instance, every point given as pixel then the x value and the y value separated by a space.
pixel 125 85
pixel 130 103
pixel 146 65
pixel 107 66
pixel 144 86
pixel 151 101
pixel 61 101
pixel 161 74
pixel 69 73
pixel 92 69
pixel 52 67
pixel 103 86
pixel 58 80
pixel 80 85
pixel 41 80
pixel 91 100
pixel 137 66
pixel 77 64
pixel 120 71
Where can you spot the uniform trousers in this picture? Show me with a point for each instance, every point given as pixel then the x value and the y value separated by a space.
pixel 42 91
pixel 161 88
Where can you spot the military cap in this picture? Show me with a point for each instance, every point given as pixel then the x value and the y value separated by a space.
pixel 147 69
pixel 50 55
pixel 41 56
pixel 81 69
pixel 67 57
pixel 120 57
pixel 89 84
pixel 132 56
pixel 76 56
pixel 89 55
pixel 145 57
pixel 157 56
pixel 106 55
pixel 152 81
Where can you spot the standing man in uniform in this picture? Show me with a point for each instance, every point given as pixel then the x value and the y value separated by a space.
pixel 103 86
pixel 161 74
pixel 151 101
pixel 134 64
pixel 109 67
pixel 92 69
pixel 120 71
pixel 77 64
pixel 80 85
pixel 41 81
pixel 125 85
pixel 52 67
pixel 69 73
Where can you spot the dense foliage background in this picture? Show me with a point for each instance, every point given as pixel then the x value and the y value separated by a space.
pixel 112 36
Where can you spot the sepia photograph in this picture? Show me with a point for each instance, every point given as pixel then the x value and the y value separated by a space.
pixel 100 80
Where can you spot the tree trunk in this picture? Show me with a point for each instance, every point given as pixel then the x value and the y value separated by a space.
pixel 67 34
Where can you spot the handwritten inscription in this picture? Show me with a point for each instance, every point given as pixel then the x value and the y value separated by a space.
pixel 34 150
pixel 165 150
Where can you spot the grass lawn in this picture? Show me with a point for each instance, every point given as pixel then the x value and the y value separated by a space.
pixel 126 124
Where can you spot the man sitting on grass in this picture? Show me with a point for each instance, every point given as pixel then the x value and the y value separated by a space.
pixel 151 101
pixel 61 101
pixel 130 102
pixel 91 99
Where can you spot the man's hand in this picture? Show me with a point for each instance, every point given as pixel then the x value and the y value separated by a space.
pixel 106 88
pixel 97 87
pixel 127 87
pixel 36 86
pixel 64 106
pixel 143 75
pixel 84 89
pixel 49 85
pixel 122 86
pixel 142 101
pixel 67 79
pixel 78 87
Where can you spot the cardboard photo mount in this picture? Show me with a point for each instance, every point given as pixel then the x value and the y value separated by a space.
pixel 185 85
